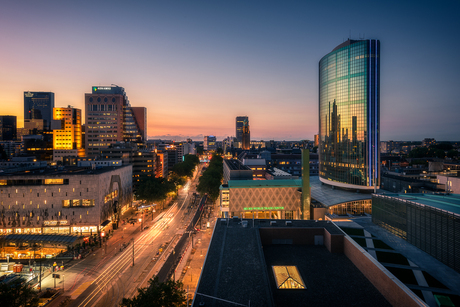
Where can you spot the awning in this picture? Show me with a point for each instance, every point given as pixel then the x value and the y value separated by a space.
pixel 105 223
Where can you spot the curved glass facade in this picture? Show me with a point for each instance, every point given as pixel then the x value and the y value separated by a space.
pixel 349 115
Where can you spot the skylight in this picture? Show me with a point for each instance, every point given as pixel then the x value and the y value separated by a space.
pixel 287 277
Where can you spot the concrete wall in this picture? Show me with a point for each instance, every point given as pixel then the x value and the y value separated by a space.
pixel 389 286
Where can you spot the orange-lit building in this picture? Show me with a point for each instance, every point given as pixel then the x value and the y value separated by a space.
pixel 68 139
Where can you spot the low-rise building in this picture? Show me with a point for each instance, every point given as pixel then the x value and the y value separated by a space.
pixel 70 200
pixel 428 221
pixel 235 170
pixel 262 199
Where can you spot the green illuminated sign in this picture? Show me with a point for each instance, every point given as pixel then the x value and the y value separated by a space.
pixel 262 208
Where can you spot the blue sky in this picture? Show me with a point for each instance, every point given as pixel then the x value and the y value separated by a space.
pixel 196 65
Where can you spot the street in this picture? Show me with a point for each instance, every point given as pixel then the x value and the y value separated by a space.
pixel 128 260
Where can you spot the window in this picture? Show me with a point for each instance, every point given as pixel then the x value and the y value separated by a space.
pixel 287 277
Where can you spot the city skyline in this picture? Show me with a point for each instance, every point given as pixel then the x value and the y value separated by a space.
pixel 196 66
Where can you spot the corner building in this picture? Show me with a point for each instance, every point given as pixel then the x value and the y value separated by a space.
pixel 349 115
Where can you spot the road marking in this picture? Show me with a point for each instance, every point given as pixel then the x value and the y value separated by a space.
pixel 80 289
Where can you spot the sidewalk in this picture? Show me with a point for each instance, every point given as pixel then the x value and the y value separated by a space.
pixel 190 268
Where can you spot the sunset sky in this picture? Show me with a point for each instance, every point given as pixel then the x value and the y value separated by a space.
pixel 196 65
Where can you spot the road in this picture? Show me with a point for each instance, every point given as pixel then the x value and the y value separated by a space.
pixel 109 274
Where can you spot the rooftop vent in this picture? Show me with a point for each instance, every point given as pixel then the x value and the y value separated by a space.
pixel 272 223
pixel 289 223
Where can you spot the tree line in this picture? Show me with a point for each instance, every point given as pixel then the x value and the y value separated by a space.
pixel 211 179
pixel 153 189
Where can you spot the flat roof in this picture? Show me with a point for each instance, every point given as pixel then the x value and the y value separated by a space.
pixel 68 170
pixel 236 165
pixel 38 238
pixel 447 202
pixel 279 183
pixel 330 196
pixel 238 269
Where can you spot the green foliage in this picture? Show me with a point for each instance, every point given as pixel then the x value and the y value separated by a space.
pixel 453 154
pixel 185 168
pixel 153 189
pixel 168 293
pixel 18 294
pixel 199 150
pixel 434 151
pixel 211 179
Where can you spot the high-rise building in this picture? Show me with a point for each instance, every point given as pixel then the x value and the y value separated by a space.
pixel 8 129
pixel 349 113
pixel 209 142
pixel 68 139
pixel 110 119
pixel 38 107
pixel 246 136
pixel 239 128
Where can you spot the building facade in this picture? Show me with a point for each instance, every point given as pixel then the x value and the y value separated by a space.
pixel 209 143
pixel 246 136
pixel 239 128
pixel 8 128
pixel 262 199
pixel 430 222
pixel 349 114
pixel 64 201
pixel 110 119
pixel 39 106
pixel 69 137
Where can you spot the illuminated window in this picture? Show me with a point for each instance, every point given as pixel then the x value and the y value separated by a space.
pixel 287 277
pixel 54 181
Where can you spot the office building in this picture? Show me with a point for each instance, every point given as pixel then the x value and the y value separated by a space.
pixel 38 110
pixel 349 113
pixel 8 128
pixel 110 119
pixel 246 136
pixel 142 160
pixel 68 139
pixel 209 143
pixel 239 128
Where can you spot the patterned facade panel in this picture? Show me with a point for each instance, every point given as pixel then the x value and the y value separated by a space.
pixel 267 198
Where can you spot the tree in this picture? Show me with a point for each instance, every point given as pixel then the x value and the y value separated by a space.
pixel 452 153
pixel 185 168
pixel 211 179
pixel 18 294
pixel 153 189
pixel 168 293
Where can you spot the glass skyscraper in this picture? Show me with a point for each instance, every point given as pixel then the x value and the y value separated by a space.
pixel 349 115
pixel 39 106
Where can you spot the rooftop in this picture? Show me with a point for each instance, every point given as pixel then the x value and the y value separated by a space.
pixel 68 170
pixel 447 202
pixel 278 183
pixel 235 165
pixel 238 267
pixel 330 196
